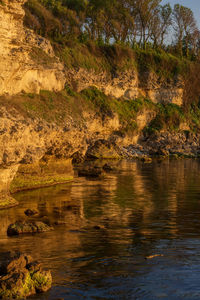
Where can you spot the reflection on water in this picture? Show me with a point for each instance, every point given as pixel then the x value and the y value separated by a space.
pixel 144 209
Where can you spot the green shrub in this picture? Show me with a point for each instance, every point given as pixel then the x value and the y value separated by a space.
pixel 168 117
pixel 98 99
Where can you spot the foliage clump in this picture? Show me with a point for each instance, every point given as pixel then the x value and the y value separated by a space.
pixel 168 117
pixel 138 24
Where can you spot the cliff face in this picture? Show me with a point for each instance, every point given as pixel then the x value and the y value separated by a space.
pixel 20 50
pixel 28 64
pixel 129 84
pixel 36 152
pixel 25 141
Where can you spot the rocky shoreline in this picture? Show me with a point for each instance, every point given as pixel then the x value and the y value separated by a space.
pixel 161 146
pixel 182 144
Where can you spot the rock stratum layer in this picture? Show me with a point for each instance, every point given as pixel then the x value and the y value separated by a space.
pixel 129 85
pixel 20 50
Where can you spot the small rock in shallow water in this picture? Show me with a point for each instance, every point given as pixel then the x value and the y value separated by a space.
pixel 146 159
pixel 98 227
pixel 108 168
pixel 60 222
pixel 31 212
pixel 21 276
pixel 21 227
pixel 90 172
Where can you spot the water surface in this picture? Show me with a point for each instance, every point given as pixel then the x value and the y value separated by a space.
pixel 143 210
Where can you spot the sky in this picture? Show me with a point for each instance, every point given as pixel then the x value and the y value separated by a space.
pixel 193 4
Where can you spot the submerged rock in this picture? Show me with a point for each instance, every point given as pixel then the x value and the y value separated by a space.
pixel 21 227
pixel 21 276
pixel 88 171
pixel 31 212
pixel 146 159
pixel 108 168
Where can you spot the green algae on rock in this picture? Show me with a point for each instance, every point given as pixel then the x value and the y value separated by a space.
pixel 21 277
pixel 7 202
pixel 46 172
pixel 42 281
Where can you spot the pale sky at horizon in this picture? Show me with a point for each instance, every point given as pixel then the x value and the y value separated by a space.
pixel 193 4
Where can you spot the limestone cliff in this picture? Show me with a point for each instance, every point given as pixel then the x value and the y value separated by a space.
pixel 38 152
pixel 27 61
pixel 24 140
pixel 129 84
pixel 28 64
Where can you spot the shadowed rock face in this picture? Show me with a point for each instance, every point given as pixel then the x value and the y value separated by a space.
pixel 19 52
pixel 6 177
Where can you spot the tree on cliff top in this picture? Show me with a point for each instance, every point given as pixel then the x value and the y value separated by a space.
pixel 133 22
pixel 184 25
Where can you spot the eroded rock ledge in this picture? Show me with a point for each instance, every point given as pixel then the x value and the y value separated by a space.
pixel 36 153
pixel 27 61
pixel 129 84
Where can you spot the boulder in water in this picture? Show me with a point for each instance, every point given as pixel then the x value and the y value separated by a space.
pixel 21 276
pixel 21 227
pixel 31 212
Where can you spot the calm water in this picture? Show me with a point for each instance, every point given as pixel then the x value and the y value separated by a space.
pixel 144 210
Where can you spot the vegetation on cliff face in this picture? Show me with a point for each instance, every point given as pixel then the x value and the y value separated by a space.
pixel 68 104
pixel 116 35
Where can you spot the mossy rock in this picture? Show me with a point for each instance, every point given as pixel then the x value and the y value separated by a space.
pixel 21 277
pixel 42 281
pixel 7 202
pixel 17 286
pixel 23 227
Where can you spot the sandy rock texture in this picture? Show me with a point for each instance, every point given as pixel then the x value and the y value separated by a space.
pixel 129 84
pixel 27 61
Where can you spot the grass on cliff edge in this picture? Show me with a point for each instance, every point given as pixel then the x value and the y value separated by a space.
pixel 114 58
pixel 95 55
pixel 70 106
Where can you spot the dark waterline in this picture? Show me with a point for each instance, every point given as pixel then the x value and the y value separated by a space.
pixel 143 209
